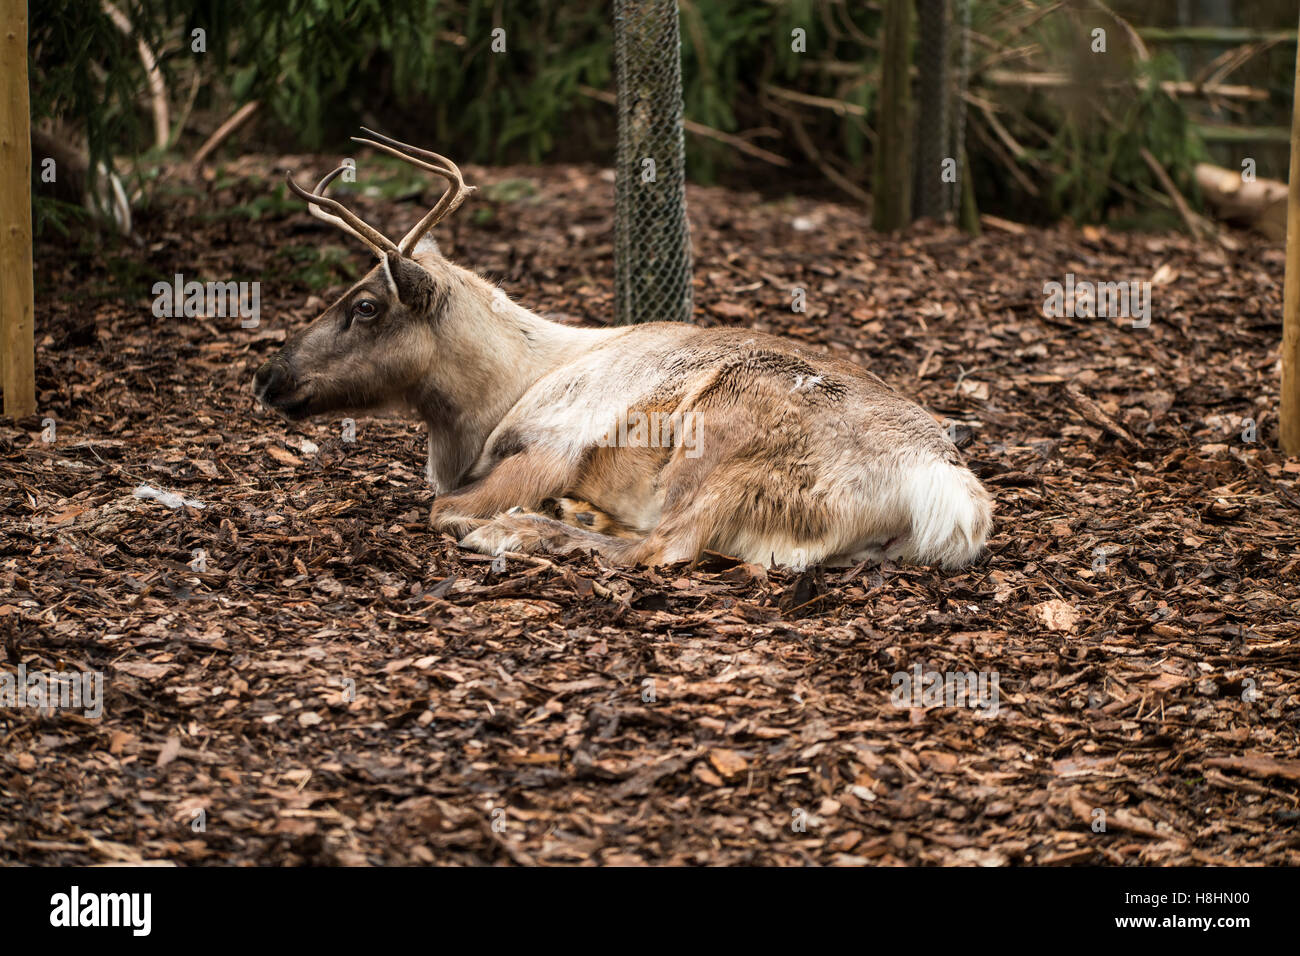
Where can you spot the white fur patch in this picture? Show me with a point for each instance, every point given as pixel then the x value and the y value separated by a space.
pixel 950 514
pixel 426 244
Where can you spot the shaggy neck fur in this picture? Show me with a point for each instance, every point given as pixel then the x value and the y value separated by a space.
pixel 488 352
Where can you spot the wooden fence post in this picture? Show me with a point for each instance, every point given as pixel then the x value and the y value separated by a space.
pixel 17 336
pixel 1289 413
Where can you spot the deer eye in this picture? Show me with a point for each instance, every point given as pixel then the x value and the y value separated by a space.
pixel 364 309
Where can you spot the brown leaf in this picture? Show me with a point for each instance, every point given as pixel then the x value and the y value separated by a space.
pixel 730 310
pixel 1258 766
pixel 1056 615
pixel 169 752
pixel 283 456
pixel 143 669
pixel 728 762
pixel 66 515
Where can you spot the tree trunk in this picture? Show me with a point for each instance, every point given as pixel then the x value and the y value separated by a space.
pixel 892 190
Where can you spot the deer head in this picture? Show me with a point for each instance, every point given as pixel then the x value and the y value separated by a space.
pixel 373 347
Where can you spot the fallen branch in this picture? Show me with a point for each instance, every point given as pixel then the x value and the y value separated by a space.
pixel 1260 203
pixel 1199 226
pixel 223 132
pixel 840 107
pixel 1091 412
pixel 1006 225
pixel 195 82
pixel 1008 153
pixel 1261 766
pixel 814 155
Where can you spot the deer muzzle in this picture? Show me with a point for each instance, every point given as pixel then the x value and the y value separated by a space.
pixel 275 385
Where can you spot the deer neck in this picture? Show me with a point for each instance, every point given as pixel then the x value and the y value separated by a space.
pixel 488 352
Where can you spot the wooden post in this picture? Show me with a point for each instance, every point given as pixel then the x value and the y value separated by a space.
pixel 1290 399
pixel 17 345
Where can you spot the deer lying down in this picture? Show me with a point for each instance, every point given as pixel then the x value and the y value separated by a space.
pixel 680 438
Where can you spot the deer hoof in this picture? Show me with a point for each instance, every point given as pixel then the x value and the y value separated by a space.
pixel 504 534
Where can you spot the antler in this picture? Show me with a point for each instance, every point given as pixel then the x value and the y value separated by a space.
pixel 344 218
pixel 456 193
pixel 353 224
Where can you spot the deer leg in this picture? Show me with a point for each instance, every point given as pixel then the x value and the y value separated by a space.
pixel 527 533
pixel 585 516
pixel 523 480
pixel 573 523
pixel 678 537
pixel 700 508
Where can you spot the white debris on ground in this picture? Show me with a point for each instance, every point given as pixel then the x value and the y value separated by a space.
pixel 169 498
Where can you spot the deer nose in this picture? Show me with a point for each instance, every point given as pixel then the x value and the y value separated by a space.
pixel 271 379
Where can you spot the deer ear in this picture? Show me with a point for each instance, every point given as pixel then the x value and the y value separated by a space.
pixel 414 286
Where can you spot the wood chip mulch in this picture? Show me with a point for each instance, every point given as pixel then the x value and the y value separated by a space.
pixel 341 686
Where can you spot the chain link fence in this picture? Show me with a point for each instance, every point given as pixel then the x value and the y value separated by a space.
pixel 933 130
pixel 652 248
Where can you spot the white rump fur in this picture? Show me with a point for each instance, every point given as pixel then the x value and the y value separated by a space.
pixel 949 513
pixel 922 510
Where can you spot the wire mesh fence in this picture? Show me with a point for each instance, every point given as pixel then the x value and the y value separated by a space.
pixel 932 128
pixel 652 250
pixel 943 68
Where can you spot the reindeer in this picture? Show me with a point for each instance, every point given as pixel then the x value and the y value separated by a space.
pixel 537 434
